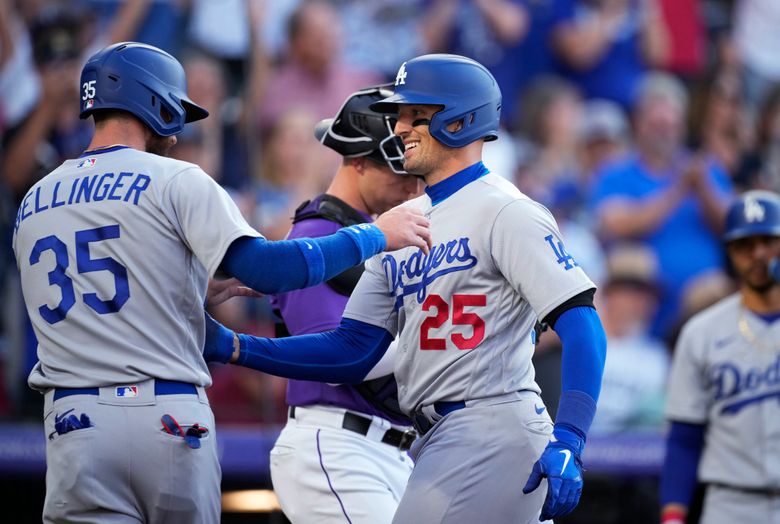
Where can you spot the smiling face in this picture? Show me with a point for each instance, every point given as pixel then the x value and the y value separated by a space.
pixel 423 154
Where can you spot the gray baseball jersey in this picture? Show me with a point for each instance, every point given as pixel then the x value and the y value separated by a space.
pixel 115 249
pixel 465 313
pixel 726 374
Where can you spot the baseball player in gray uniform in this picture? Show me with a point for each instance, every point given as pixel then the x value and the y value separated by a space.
pixel 725 383
pixel 115 249
pixel 465 315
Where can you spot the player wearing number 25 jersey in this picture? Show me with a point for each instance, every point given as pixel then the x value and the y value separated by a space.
pixel 115 249
pixel 465 315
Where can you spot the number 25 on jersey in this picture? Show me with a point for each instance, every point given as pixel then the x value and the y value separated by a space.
pixel 441 309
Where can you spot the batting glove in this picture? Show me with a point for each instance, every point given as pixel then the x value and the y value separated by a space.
pixel 561 464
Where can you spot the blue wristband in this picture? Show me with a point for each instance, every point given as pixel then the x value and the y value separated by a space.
pixel 576 410
pixel 315 262
pixel 368 238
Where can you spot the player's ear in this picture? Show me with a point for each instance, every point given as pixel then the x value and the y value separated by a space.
pixel 359 163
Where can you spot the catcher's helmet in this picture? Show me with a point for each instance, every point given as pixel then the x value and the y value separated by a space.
pixel 142 80
pixel 463 86
pixel 753 213
pixel 358 131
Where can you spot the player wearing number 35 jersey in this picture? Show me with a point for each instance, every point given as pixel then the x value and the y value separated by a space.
pixel 115 249
pixel 465 314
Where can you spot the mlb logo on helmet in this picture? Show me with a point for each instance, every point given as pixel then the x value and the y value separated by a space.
pixel 89 104
pixel 127 391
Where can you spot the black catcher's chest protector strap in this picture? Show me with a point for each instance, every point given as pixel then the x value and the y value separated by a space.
pixel 335 210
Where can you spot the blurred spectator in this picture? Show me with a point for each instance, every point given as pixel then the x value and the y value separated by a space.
pixel 270 25
pixel 607 45
pixel 551 169
pixel 493 33
pixel 51 131
pixel 632 395
pixel 201 142
pixel 605 137
pixel 232 48
pixel 663 196
pixel 549 140
pixel 219 143
pixel 293 168
pixel 757 40
pixel 397 21
pixel 721 127
pixel 313 75
pixel 19 82
pixel 765 172
pixel 156 22
pixel 700 293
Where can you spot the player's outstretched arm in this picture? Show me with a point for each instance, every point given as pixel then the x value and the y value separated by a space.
pixel 684 444
pixel 284 265
pixel 584 352
pixel 344 355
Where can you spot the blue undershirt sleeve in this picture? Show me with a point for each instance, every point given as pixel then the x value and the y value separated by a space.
pixel 284 265
pixel 341 356
pixel 684 445
pixel 584 353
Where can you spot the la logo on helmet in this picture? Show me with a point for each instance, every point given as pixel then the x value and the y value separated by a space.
pixel 400 78
pixel 754 211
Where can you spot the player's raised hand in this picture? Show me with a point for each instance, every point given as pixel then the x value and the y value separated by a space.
pixel 561 464
pixel 403 227
pixel 221 290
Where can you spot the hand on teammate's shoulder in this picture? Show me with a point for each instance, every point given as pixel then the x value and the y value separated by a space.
pixel 404 226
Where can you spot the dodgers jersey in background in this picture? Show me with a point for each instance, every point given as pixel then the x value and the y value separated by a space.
pixel 722 379
pixel 115 249
pixel 470 306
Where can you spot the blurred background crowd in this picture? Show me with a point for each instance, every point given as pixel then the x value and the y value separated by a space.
pixel 634 121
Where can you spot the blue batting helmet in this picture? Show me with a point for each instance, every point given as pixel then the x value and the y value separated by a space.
pixel 753 213
pixel 465 88
pixel 142 80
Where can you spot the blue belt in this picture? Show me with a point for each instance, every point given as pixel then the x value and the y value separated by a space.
pixel 442 408
pixel 161 387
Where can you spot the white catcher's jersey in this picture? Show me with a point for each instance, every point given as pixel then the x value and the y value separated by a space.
pixel 721 379
pixel 115 250
pixel 465 313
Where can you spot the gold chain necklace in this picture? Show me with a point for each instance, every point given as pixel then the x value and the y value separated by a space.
pixel 747 334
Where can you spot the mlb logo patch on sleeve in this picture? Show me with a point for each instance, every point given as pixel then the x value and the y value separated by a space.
pixel 127 391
